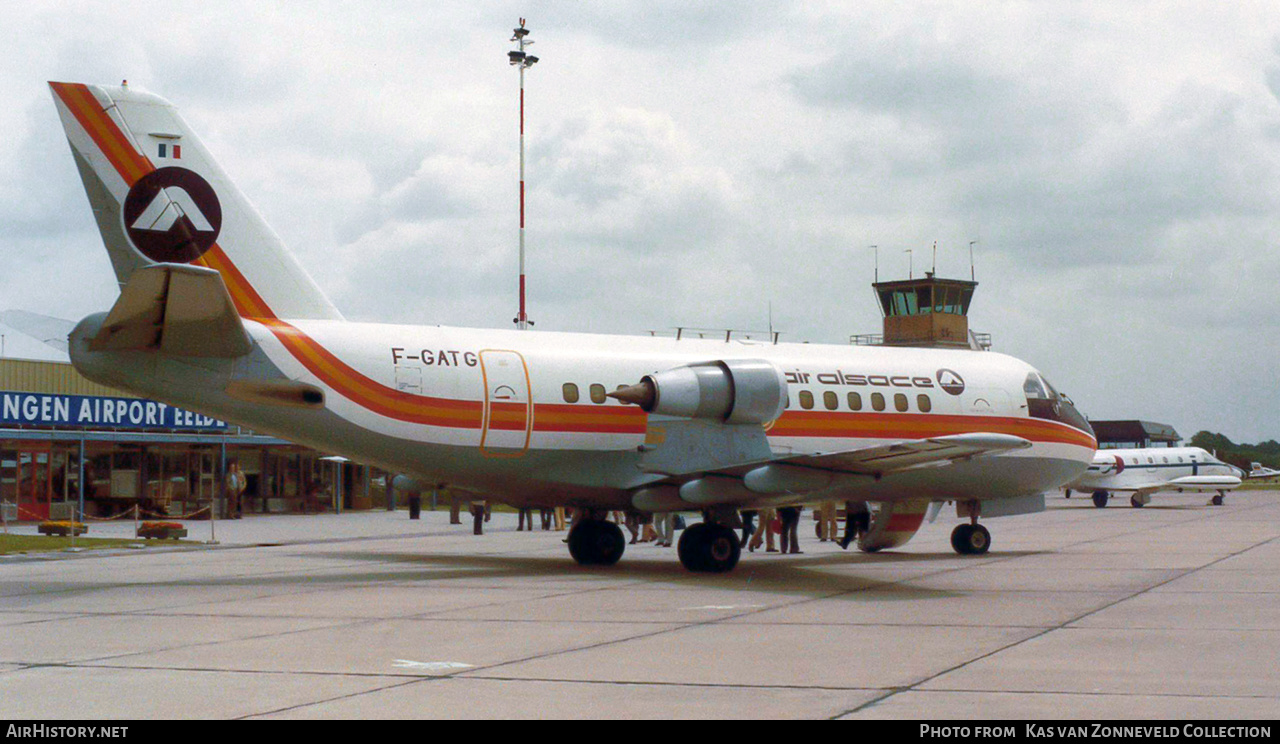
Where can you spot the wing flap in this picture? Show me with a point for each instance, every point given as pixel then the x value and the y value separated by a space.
pixel 174 309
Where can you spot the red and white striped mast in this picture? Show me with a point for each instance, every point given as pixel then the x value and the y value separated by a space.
pixel 522 61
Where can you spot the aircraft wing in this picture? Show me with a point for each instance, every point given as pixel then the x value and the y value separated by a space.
pixel 1204 482
pixel 1185 483
pixel 174 309
pixel 687 447
pixel 912 453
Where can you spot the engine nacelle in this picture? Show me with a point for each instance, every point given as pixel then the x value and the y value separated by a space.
pixel 735 391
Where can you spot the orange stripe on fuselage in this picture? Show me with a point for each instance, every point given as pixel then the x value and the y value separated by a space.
pixel 921 425
pixel 363 391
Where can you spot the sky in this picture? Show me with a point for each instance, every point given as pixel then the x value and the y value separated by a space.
pixel 1115 165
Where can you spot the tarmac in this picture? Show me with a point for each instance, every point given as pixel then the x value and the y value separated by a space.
pixel 1164 612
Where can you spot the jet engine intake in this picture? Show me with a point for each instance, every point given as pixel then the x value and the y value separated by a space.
pixel 735 391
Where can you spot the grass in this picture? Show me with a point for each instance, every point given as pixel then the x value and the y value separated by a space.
pixel 10 544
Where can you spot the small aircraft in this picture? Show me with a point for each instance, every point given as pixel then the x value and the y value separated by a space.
pixel 215 314
pixel 1142 472
pixel 1256 470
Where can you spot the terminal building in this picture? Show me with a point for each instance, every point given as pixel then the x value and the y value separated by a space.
pixel 170 462
pixel 1134 434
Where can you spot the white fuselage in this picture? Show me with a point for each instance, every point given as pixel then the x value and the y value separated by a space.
pixel 1157 468
pixel 522 415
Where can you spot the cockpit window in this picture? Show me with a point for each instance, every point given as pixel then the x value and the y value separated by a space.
pixel 1044 402
pixel 1033 388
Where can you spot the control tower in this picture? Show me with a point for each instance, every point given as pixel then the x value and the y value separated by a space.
pixel 926 312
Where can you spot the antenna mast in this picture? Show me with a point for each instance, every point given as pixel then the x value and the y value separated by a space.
pixel 519 59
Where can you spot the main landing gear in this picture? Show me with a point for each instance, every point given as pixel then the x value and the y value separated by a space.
pixel 1100 498
pixel 596 542
pixel 970 539
pixel 1218 498
pixel 708 547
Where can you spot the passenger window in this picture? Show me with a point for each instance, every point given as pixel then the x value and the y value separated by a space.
pixel 597 393
pixel 830 400
pixel 806 399
pixel 877 401
pixel 570 392
pixel 1165 459
pixel 900 402
pixel 855 401
pixel 1179 459
pixel 924 403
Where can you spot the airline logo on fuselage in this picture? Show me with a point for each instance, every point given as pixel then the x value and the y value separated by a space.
pixel 949 380
pixel 172 215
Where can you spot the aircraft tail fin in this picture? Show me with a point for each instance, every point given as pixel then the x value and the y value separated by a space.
pixel 159 197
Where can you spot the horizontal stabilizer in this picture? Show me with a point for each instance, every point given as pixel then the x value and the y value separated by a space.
pixel 43 328
pixel 174 309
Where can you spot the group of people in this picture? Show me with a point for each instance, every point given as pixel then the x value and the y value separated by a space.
pixel 659 529
pixel 785 522
pixel 758 526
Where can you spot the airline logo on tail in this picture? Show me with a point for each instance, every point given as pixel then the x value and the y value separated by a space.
pixel 172 215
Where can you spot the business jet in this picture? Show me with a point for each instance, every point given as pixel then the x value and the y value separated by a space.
pixel 1142 472
pixel 1256 470
pixel 215 314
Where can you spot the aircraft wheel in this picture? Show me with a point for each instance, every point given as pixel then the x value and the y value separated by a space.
pixel 1100 498
pixel 596 543
pixel 1217 499
pixel 970 539
pixel 1135 501
pixel 709 548
pixel 1068 493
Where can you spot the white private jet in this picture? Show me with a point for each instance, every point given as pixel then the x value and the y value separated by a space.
pixel 1256 470
pixel 215 314
pixel 1142 472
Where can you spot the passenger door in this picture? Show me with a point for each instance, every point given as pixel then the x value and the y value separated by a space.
pixel 508 406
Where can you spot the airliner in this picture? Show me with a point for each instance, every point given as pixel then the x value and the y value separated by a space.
pixel 1142 472
pixel 216 315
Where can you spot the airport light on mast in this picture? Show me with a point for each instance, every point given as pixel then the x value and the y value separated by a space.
pixel 518 58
